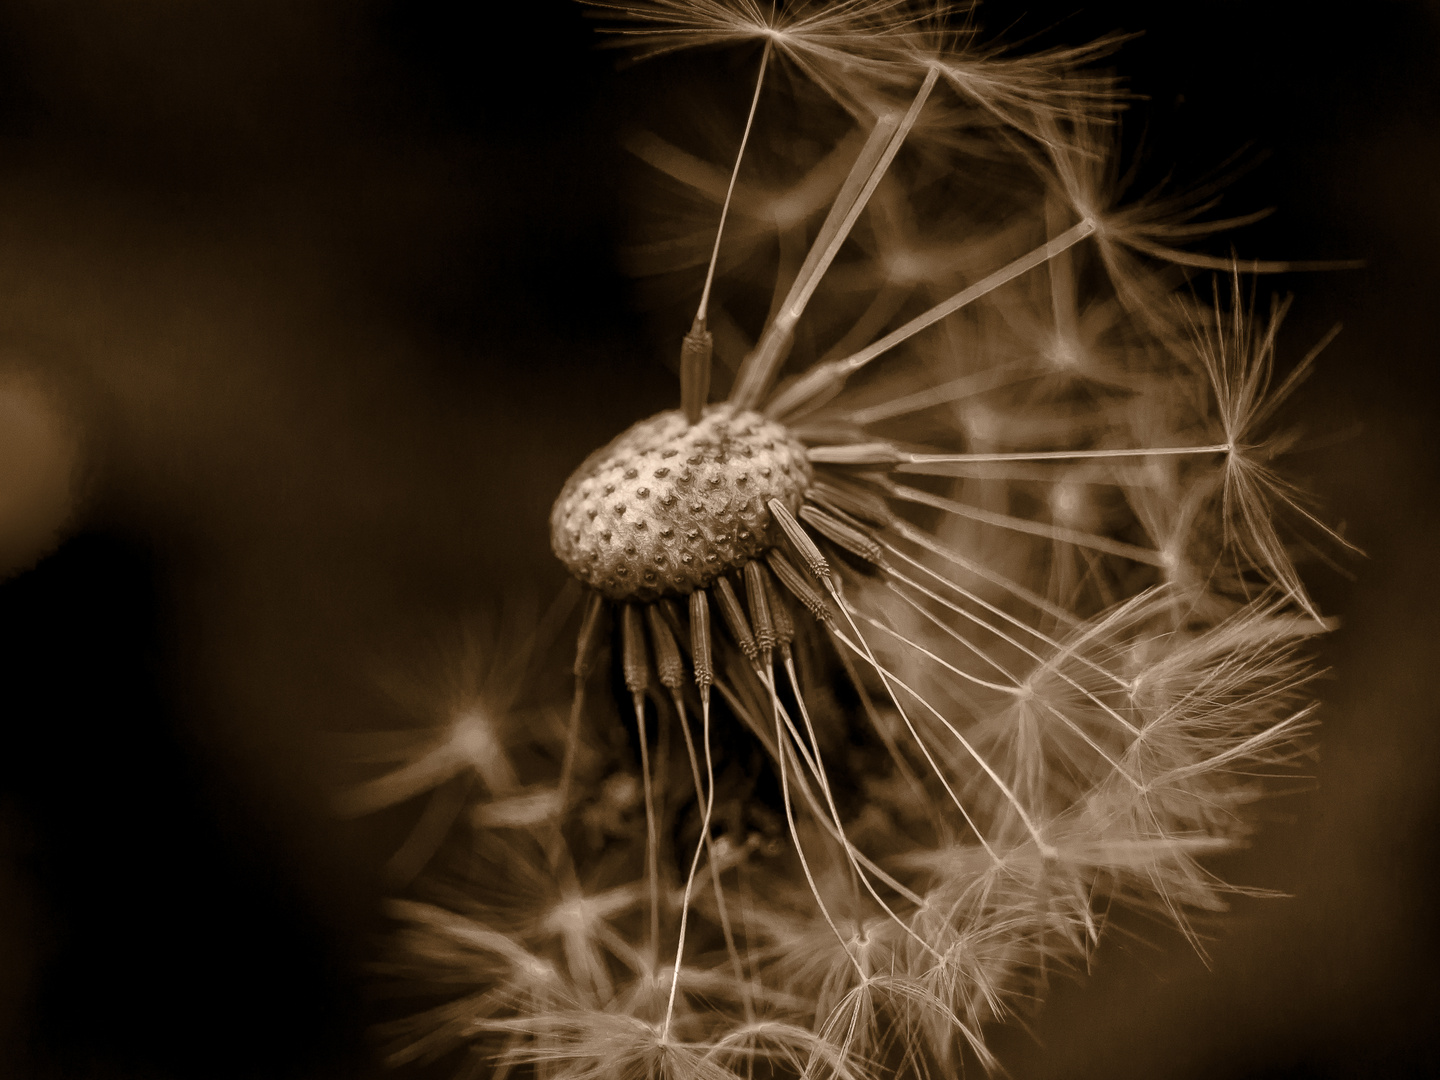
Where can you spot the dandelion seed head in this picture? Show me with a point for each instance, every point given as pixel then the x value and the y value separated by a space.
pixel 668 507
pixel 965 617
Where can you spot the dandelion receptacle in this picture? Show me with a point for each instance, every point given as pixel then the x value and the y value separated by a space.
pixel 952 606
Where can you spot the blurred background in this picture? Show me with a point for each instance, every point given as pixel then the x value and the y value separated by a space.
pixel 307 309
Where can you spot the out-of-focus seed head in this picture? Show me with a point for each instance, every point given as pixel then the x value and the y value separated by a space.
pixel 668 506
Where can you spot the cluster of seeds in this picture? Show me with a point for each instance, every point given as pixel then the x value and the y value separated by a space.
pixel 968 618
pixel 669 506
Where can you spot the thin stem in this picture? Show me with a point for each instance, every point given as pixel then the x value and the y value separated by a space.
pixel 1052 664
pixel 980 570
pixel 567 769
pixel 824 782
pixel 824 819
pixel 907 459
pixel 1055 533
pixel 701 845
pixel 1046 849
pixel 799 849
pixel 652 838
pixel 702 311
pixel 824 377
pixel 424 840
pixel 760 367
pixel 909 724
pixel 700 788
pixel 956 389
pixel 1012 691
pixel 910 533
pixel 892 748
pixel 959 638
pixel 697 349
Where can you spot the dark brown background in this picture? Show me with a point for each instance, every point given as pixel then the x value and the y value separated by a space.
pixel 332 287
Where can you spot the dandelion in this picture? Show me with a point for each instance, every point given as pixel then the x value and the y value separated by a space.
pixel 475 748
pixel 958 616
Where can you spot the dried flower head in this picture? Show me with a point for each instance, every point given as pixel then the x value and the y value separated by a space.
pixel 959 616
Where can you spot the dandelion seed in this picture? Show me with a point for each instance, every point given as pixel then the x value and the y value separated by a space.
pixel 476 735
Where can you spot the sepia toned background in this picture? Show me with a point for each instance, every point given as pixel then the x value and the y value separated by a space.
pixel 308 307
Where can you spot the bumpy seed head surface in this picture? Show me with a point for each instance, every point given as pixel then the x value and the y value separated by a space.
pixel 668 507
